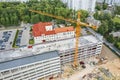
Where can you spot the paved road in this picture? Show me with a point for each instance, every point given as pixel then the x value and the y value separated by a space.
pixel 25 36
pixel 111 46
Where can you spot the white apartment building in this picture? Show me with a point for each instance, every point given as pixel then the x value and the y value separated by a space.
pixel 100 1
pixel 110 2
pixel 32 67
pixel 88 5
pixel 45 32
pixel 113 2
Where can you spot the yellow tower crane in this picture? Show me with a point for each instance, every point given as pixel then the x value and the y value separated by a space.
pixel 77 32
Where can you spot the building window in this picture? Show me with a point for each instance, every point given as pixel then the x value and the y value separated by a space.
pixel 14 70
pixel 23 67
pixel 94 48
pixel 17 77
pixel 5 72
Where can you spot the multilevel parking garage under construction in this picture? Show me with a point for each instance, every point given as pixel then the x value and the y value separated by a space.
pixel 89 46
pixel 52 45
pixel 32 67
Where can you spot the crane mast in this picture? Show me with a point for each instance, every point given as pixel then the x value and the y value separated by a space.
pixel 77 35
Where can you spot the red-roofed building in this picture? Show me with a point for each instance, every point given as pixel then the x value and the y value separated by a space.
pixel 64 29
pixel 40 28
pixel 44 31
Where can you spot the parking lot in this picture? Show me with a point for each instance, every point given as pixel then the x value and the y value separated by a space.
pixel 6 39
pixel 23 37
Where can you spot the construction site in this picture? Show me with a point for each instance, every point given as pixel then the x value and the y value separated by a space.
pixel 103 66
pixel 106 66
pixel 61 53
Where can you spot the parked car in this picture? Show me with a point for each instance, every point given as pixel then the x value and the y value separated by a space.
pixel 83 66
pixel 81 62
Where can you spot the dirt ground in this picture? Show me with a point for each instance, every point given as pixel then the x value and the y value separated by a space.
pixel 113 63
pixel 106 52
pixel 113 66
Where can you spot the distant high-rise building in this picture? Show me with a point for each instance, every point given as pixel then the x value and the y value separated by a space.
pixel 110 2
pixel 88 5
pixel 100 1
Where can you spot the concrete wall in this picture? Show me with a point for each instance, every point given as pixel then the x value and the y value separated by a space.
pixel 54 37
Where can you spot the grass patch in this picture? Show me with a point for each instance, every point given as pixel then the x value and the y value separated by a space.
pixel 116 19
pixel 30 28
pixel 14 42
pixel 31 41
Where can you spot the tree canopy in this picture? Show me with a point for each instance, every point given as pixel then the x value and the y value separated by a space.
pixel 117 10
pixel 12 13
pixel 107 26
pixel 98 7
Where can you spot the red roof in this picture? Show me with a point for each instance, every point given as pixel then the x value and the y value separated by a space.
pixel 64 29
pixel 39 29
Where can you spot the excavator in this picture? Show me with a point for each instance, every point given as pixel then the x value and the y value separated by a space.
pixel 77 30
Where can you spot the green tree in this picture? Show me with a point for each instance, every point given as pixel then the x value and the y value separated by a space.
pixel 117 45
pixel 96 15
pixel 3 21
pixel 117 26
pixel 35 18
pixel 111 25
pixel 98 7
pixel 16 21
pixel 117 10
pixel 84 14
pixel 103 28
pixel 26 19
pixel 104 6
pixel 7 22
pixel 107 16
pixel 12 21
pixel 110 38
pixel 12 13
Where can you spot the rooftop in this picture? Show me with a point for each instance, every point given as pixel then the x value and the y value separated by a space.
pixel 115 34
pixel 40 28
pixel 43 47
pixel 93 21
pixel 64 29
pixel 28 60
